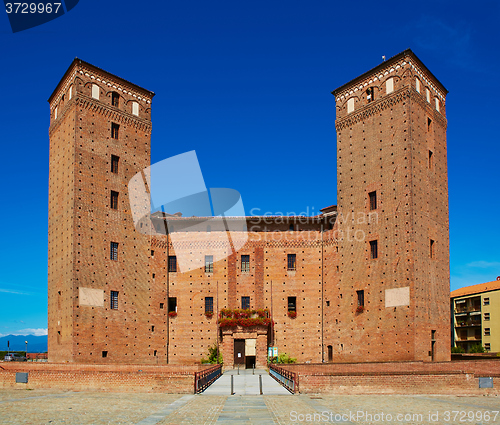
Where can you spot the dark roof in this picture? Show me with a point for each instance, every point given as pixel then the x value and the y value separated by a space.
pixel 395 58
pixel 101 71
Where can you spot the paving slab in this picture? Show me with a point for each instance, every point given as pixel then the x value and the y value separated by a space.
pixel 246 383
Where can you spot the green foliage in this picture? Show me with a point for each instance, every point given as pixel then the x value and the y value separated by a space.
pixel 477 348
pixel 4 353
pixel 457 350
pixel 283 358
pixel 212 356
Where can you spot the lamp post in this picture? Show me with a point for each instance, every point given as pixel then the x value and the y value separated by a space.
pixel 26 354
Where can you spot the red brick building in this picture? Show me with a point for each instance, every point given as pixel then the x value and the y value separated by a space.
pixel 367 280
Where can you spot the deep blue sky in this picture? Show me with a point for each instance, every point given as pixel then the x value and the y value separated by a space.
pixel 247 85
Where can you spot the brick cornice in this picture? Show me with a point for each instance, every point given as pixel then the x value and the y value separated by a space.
pixel 376 107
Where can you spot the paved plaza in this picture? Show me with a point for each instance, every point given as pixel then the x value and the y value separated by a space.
pixel 246 406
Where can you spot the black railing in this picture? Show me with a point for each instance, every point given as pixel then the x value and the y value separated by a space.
pixel 290 380
pixel 204 378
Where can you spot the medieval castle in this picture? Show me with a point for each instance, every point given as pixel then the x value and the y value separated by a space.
pixel 366 280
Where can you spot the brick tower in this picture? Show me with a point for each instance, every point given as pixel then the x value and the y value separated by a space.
pixel 393 215
pixel 100 128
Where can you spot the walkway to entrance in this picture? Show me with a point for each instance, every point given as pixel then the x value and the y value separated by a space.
pixel 245 384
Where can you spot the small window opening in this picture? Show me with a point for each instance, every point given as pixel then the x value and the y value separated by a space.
pixel 114 200
pixel 172 304
pixel 114 130
pixel 114 251
pixel 209 304
pixel 361 298
pixel 487 332
pixel 292 262
pixel 209 263
pixel 486 301
pixel 431 159
pixel 162 305
pixel 292 303
pixel 172 263
pixel 155 352
pixel 115 99
pixel 245 263
pixel 373 250
pixel 370 94
pixel 114 163
pixel 373 200
pixel 245 303
pixel 114 300
pixel 152 328
pixel 429 124
pixel 431 248
pixel 104 354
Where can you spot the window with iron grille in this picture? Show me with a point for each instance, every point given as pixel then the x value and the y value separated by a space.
pixel 361 298
pixel 114 200
pixel 373 250
pixel 209 304
pixel 114 251
pixel 115 99
pixel 245 303
pixel 114 300
pixel 114 163
pixel 292 262
pixel 172 263
pixel 245 263
pixel 209 263
pixel 292 303
pixel 373 200
pixel 114 130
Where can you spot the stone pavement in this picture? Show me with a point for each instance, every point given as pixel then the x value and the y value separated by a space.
pixel 54 407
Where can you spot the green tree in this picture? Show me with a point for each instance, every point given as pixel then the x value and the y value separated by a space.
pixel 457 350
pixel 477 348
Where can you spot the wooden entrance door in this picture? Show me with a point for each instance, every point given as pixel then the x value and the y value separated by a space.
pixel 239 351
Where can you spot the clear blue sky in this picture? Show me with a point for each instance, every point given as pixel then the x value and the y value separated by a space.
pixel 247 85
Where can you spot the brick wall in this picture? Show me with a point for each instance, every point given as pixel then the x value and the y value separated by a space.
pixel 143 378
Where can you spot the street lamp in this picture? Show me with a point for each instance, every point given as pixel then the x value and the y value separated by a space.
pixel 26 354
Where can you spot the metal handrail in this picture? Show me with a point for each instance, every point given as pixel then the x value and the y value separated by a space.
pixel 204 378
pixel 290 380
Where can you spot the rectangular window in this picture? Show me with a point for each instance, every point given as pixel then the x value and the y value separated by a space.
pixel 114 163
pixel 55 113
pixel 245 263
pixel 152 253
pixel 114 130
pixel 161 306
pixel 361 298
pixel 95 91
pixel 428 95
pixel 350 105
pixel 431 248
pixel 417 84
pixel 172 304
pixel 104 354
pixel 431 159
pixel 209 263
pixel 373 200
pixel 114 300
pixel 245 303
pixel 373 250
pixel 370 95
pixel 389 86
pixel 114 200
pixel 135 109
pixel 172 263
pixel 486 301
pixel 487 346
pixel 429 124
pixel 486 316
pixel 292 303
pixel 209 304
pixel 437 104
pixel 487 332
pixel 115 98
pixel 114 251
pixel 292 262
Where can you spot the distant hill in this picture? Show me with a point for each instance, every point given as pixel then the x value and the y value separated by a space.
pixel 36 344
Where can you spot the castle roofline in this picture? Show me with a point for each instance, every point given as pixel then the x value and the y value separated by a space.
pixel 476 289
pixel 394 59
pixel 78 61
